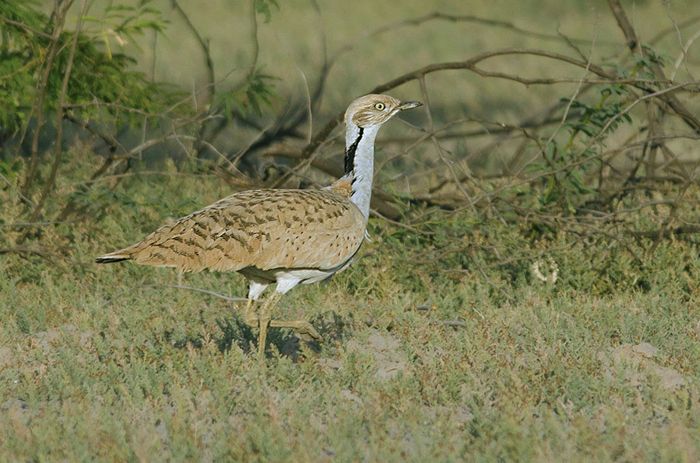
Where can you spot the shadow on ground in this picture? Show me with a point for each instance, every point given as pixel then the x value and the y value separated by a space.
pixel 331 326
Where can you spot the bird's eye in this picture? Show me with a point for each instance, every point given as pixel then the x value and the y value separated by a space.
pixel 379 106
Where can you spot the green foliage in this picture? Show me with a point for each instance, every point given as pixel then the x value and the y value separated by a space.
pixel 102 84
pixel 19 57
pixel 264 7
pixel 569 166
pixel 644 63
pixel 10 169
pixel 603 118
pixel 250 97
pixel 569 163
pixel 127 21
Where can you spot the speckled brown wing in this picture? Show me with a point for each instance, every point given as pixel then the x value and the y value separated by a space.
pixel 267 229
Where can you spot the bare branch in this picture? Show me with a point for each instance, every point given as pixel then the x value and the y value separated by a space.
pixel 58 20
pixel 634 46
pixel 58 142
pixel 203 44
pixel 25 28
pixel 625 24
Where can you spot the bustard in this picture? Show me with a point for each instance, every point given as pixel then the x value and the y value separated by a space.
pixel 280 236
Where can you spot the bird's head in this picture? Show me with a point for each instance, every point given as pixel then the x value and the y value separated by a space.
pixel 374 110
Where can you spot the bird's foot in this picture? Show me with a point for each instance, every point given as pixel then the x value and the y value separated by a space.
pixel 260 319
pixel 250 315
pixel 304 329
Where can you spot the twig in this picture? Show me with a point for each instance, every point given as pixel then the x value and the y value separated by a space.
pixel 439 16
pixel 200 290
pixel 669 30
pixel 607 125
pixel 58 142
pixel 210 87
pixel 656 234
pixel 203 44
pixel 452 323
pixel 633 44
pixel 470 65
pixel 684 53
pixel 436 144
pixel 26 28
pixel 109 139
pixel 59 19
pixel 573 97
pixel 625 24
pixel 309 112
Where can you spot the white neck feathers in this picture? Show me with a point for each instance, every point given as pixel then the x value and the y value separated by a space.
pixel 359 163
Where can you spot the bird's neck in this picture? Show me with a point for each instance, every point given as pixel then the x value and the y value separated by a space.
pixel 359 163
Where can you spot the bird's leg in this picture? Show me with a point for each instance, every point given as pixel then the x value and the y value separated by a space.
pixel 250 317
pixel 301 326
pixel 264 317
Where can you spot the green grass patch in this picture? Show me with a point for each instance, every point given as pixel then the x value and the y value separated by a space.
pixel 439 347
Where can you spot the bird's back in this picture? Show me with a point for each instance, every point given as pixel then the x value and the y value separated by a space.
pixel 265 229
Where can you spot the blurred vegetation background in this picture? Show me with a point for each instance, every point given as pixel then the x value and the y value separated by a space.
pixel 531 286
pixel 573 110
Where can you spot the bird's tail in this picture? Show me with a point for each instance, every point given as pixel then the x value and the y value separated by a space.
pixel 116 256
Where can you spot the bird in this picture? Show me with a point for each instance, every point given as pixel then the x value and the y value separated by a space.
pixel 284 237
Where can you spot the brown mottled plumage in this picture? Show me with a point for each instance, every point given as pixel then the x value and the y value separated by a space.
pixel 266 229
pixel 285 237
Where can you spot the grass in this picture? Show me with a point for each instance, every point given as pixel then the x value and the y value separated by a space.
pixel 421 362
pixel 440 344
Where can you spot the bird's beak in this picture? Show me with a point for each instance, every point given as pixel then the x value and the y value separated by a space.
pixel 409 104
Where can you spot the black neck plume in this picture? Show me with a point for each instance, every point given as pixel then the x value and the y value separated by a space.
pixel 350 153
